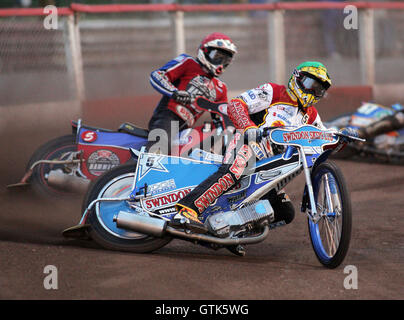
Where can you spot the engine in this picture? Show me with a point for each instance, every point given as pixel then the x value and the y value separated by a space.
pixel 223 223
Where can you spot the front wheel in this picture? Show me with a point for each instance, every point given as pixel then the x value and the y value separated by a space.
pixel 331 235
pixel 116 183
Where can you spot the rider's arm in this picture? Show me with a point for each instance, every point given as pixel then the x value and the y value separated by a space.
pixel 249 102
pixel 162 79
pixel 237 110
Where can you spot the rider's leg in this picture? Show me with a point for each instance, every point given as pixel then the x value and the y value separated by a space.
pixel 194 204
pixel 283 207
pixel 162 119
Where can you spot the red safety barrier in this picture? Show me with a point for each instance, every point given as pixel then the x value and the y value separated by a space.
pixel 111 8
pixel 85 8
pixel 13 12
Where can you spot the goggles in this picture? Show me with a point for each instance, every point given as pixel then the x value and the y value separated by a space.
pixel 312 86
pixel 219 57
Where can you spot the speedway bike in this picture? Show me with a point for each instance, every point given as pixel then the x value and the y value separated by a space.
pixel 131 207
pixel 387 147
pixel 67 164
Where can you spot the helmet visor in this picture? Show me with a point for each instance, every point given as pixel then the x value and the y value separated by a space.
pixel 219 57
pixel 313 86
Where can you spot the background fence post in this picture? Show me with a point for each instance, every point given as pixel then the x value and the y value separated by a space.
pixel 74 59
pixel 367 46
pixel 179 32
pixel 276 43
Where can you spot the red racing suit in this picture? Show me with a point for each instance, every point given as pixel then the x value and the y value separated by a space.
pixel 186 73
pixel 268 105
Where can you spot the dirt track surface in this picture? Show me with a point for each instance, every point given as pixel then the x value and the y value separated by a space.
pixel 282 267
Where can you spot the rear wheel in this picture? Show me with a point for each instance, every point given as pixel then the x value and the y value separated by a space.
pixel 60 149
pixel 331 235
pixel 116 183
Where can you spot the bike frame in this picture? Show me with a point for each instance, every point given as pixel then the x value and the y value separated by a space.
pixel 152 171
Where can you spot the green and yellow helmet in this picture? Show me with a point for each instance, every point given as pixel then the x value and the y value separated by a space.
pixel 309 82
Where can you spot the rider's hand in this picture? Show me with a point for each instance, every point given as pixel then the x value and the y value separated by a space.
pixel 253 134
pixel 181 96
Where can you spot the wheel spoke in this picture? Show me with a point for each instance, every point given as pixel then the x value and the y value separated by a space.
pixel 330 235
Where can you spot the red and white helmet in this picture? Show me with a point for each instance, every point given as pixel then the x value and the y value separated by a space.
pixel 216 52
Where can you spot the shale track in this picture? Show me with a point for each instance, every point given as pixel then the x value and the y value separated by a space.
pixel 282 267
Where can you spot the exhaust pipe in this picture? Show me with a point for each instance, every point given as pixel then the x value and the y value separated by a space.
pixel 158 228
pixel 58 179
pixel 142 224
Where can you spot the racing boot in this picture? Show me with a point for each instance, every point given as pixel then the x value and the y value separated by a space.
pixel 284 210
pixel 237 249
pixel 188 218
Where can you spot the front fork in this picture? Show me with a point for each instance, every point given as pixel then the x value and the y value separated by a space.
pixel 308 196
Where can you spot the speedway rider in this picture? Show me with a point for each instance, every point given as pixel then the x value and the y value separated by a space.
pixel 266 106
pixel 384 125
pixel 185 77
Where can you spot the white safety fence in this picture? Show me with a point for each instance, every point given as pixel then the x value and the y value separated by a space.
pixel 95 56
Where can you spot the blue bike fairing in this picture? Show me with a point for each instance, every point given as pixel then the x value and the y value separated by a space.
pixel 167 179
pixel 368 113
pixel 268 171
pixel 116 139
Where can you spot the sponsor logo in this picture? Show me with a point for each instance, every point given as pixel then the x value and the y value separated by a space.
pixel 166 200
pixel 238 111
pixel 223 108
pixel 278 123
pixel 307 135
pixel 160 187
pixel 257 150
pixel 263 95
pixel 186 115
pixel 282 117
pixel 239 164
pixel 89 136
pixel 168 210
pixel 305 119
pixel 215 191
pixel 237 197
pixel 101 161
pixel 150 162
pixel 202 86
pixel 267 175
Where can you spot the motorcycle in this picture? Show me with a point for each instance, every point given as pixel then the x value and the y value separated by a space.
pixel 131 207
pixel 387 147
pixel 67 164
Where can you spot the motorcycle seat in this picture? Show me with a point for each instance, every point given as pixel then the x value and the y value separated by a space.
pixel 130 128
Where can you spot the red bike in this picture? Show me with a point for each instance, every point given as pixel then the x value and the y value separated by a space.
pixel 68 163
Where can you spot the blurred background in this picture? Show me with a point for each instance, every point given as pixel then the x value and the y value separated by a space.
pixel 97 65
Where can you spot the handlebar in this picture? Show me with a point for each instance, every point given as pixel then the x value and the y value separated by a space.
pixel 265 132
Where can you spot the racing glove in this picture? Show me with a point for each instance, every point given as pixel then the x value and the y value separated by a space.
pixel 181 96
pixel 253 134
